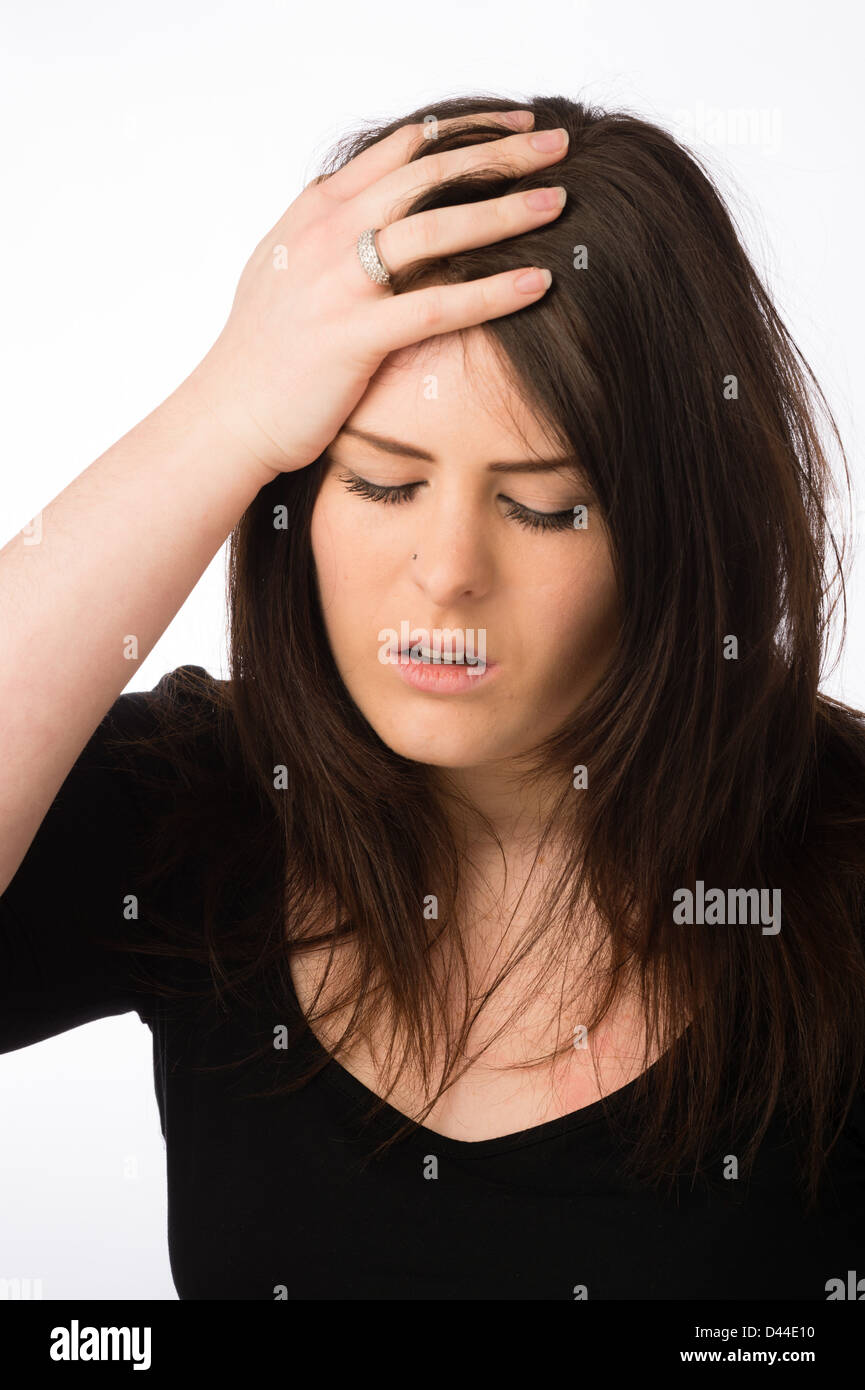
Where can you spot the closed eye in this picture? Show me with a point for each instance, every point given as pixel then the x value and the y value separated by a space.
pixel 535 521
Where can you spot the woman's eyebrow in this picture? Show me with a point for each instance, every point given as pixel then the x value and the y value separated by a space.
pixel 398 446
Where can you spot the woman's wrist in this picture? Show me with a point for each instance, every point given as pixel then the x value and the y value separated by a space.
pixel 235 448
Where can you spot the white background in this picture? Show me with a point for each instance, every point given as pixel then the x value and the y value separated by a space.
pixel 145 151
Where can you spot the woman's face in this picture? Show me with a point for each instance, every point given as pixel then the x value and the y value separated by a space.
pixel 539 604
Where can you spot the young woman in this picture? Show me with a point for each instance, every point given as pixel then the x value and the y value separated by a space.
pixel 499 920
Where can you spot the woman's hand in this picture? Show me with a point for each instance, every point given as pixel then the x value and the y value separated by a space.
pixel 308 327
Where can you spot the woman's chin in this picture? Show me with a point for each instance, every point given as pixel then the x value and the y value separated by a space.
pixel 422 742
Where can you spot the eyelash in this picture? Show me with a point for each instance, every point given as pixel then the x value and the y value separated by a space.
pixel 533 521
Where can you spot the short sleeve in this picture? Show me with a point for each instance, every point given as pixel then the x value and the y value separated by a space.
pixel 75 890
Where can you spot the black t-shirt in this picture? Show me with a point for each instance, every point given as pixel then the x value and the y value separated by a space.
pixel 270 1197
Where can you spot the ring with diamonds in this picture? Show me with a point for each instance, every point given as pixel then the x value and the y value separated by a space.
pixel 370 259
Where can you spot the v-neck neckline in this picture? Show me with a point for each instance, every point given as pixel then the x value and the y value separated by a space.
pixel 388 1115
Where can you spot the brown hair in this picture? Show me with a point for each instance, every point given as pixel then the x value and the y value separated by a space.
pixel 664 363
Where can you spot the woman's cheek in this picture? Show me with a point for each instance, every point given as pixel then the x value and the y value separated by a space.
pixel 582 623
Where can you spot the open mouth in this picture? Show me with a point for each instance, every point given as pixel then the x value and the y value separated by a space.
pixel 432 656
pixel 443 677
pixel 438 660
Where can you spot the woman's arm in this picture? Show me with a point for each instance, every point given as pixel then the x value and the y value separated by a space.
pixel 119 551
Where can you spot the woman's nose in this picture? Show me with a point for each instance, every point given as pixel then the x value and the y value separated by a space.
pixel 452 558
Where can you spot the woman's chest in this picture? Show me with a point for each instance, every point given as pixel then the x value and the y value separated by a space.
pixel 276 1194
pixel 506 1090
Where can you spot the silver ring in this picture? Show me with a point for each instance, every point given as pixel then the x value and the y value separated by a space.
pixel 370 259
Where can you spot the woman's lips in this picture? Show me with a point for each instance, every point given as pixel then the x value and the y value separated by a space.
pixel 446 678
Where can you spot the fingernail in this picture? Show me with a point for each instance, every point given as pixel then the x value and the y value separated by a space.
pixel 544 198
pixel 533 280
pixel 548 139
pixel 520 120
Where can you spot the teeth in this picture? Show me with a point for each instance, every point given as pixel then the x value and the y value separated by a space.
pixel 440 658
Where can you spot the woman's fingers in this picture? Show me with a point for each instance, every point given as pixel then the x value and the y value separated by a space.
pixel 444 231
pixel 308 328
pixel 519 154
pixel 390 154
pixel 394 322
